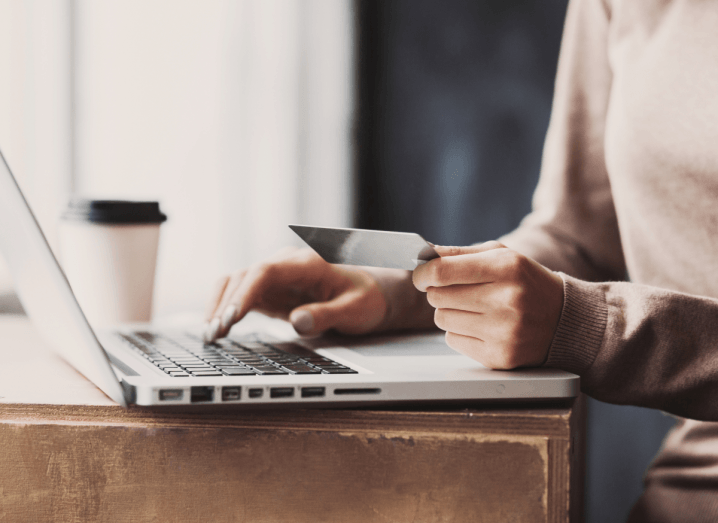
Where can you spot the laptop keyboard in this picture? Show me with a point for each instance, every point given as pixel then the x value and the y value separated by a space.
pixel 183 355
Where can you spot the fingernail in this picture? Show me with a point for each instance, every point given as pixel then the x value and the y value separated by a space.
pixel 302 321
pixel 227 317
pixel 212 330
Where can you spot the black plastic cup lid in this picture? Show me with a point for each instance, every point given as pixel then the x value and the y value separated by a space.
pixel 118 212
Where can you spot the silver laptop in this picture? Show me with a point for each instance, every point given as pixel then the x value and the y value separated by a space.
pixel 132 365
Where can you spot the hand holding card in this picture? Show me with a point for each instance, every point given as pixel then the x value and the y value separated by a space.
pixel 496 305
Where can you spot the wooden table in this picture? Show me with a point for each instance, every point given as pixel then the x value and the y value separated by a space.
pixel 69 454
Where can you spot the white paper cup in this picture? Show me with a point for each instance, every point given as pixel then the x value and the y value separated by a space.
pixel 108 250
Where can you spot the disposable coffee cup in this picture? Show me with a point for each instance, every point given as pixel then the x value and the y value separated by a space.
pixel 108 250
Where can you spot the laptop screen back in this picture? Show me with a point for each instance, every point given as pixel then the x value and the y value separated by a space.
pixel 45 292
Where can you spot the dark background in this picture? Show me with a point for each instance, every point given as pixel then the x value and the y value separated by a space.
pixel 453 103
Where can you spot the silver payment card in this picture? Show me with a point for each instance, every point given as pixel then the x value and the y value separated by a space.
pixel 393 250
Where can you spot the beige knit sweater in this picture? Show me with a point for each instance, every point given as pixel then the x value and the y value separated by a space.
pixel 629 189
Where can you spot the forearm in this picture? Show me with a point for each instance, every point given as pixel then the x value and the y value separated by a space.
pixel 407 308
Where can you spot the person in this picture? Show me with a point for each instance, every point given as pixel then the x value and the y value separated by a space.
pixel 612 275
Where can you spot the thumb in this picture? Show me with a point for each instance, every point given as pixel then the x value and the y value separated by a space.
pixel 315 318
pixel 470 249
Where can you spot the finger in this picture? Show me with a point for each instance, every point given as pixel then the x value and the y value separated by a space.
pixel 475 349
pixel 480 326
pixel 480 297
pixel 217 293
pixel 472 347
pixel 473 268
pixel 488 354
pixel 443 250
pixel 215 328
pixel 234 282
pixel 349 313
pixel 212 323
pixel 239 300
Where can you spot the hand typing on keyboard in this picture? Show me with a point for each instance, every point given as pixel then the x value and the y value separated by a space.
pixel 296 284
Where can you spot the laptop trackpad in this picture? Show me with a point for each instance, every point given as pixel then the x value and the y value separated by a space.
pixel 432 345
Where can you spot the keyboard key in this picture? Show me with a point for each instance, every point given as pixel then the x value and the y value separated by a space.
pixel 252 345
pixel 237 353
pixel 293 348
pixel 239 372
pixel 329 367
pixel 340 371
pixel 146 336
pixel 171 369
pixel 287 359
pixel 203 355
pixel 218 361
pixel 302 369
pixel 179 374
pixel 252 336
pixel 263 366
pixel 318 360
pixel 269 370
pixel 263 349
pixel 206 374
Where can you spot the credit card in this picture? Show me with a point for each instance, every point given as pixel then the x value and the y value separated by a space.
pixel 392 250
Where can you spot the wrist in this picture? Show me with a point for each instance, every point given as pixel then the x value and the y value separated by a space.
pixel 406 307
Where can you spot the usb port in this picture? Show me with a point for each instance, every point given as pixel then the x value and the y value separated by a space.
pixel 312 392
pixel 281 392
pixel 171 394
pixel 231 393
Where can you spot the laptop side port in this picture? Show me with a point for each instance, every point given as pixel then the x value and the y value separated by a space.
pixel 281 392
pixel 171 394
pixel 255 393
pixel 339 392
pixel 313 392
pixel 231 393
pixel 202 394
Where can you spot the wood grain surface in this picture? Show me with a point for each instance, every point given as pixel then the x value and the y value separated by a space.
pixel 86 459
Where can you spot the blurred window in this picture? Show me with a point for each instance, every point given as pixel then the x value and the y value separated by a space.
pixel 236 115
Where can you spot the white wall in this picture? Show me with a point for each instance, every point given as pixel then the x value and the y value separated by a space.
pixel 234 114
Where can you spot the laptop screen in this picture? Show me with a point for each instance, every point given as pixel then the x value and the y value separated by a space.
pixel 45 292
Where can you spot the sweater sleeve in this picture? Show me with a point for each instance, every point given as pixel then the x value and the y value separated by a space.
pixel 572 227
pixel 630 343
pixel 639 345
